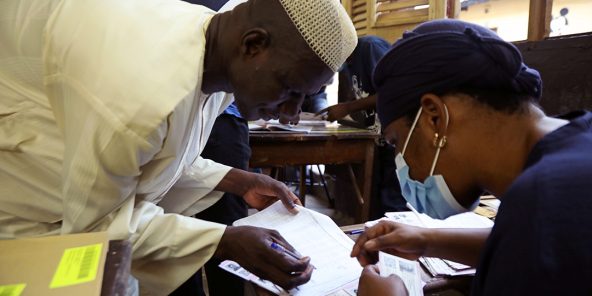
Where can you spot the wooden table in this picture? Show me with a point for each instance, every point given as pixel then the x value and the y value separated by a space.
pixel 339 145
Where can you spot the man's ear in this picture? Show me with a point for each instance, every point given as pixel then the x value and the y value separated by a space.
pixel 254 41
pixel 435 114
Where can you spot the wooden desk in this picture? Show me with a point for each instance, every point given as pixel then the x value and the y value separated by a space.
pixel 342 145
pixel 434 285
pixel 117 268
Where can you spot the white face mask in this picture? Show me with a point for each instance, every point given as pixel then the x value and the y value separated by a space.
pixel 432 197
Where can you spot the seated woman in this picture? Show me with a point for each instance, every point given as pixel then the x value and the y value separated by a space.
pixel 462 107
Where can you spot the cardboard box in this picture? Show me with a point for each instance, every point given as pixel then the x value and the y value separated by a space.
pixel 55 265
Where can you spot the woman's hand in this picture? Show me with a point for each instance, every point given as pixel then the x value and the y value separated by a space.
pixel 398 239
pixel 371 283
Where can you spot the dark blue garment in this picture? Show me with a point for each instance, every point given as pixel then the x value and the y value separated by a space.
pixel 357 70
pixel 232 109
pixel 214 5
pixel 541 243
pixel 360 64
pixel 315 103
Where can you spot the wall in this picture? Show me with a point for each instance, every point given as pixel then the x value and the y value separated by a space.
pixel 510 17
pixel 564 64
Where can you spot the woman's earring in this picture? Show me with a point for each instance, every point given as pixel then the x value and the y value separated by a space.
pixel 439 142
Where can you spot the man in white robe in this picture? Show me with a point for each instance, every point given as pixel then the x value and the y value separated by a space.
pixel 105 106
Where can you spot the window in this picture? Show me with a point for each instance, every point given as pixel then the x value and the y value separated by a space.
pixel 571 17
pixel 509 18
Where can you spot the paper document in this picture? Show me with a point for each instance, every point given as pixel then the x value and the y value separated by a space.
pixel 464 220
pixel 407 270
pixel 258 127
pixel 349 289
pixel 317 236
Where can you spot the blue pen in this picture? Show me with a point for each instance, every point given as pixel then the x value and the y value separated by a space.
pixel 283 249
pixel 355 231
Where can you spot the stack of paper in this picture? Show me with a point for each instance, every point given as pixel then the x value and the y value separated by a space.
pixel 315 235
pixel 441 267
pixel 488 206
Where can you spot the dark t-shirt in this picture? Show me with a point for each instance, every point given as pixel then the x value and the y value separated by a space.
pixel 358 70
pixel 361 63
pixel 214 5
pixel 541 243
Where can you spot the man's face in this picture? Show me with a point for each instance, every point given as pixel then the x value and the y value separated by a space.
pixel 272 85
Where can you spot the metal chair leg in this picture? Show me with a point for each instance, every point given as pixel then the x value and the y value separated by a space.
pixel 324 183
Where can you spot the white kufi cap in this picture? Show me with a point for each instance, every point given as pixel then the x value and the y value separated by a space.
pixel 326 27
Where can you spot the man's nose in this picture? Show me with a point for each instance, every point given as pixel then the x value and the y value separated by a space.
pixel 290 112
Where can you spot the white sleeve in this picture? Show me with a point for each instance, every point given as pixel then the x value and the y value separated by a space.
pixel 101 168
pixel 110 100
pixel 194 191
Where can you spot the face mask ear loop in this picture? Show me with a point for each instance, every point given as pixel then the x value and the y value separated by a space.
pixel 411 131
pixel 440 143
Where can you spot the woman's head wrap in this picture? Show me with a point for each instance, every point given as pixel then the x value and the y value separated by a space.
pixel 442 55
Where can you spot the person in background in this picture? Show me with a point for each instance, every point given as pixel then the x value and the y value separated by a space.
pixel 316 102
pixel 103 132
pixel 560 23
pixel 462 109
pixel 357 97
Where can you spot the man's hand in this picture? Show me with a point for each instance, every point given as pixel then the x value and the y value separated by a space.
pixel 398 239
pixel 264 191
pixel 371 283
pixel 251 248
pixel 336 112
pixel 258 190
